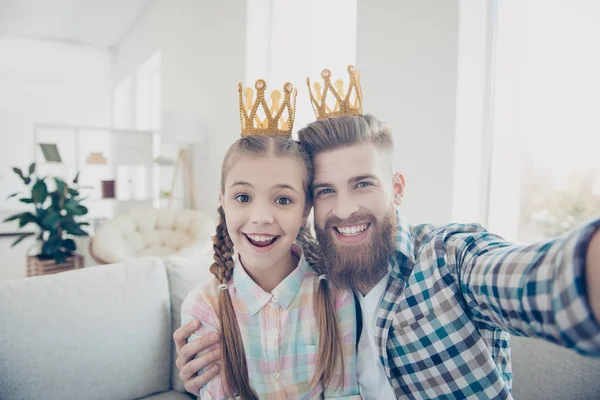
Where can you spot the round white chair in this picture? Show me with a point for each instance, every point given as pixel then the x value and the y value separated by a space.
pixel 150 232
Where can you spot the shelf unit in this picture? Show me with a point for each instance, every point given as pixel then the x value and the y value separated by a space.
pixel 129 155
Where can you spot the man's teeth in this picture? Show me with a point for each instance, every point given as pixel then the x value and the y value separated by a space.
pixel 260 238
pixel 352 230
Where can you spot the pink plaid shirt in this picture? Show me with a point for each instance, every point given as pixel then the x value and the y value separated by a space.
pixel 280 334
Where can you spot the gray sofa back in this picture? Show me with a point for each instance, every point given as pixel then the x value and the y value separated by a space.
pixel 106 333
pixel 544 371
pixel 97 333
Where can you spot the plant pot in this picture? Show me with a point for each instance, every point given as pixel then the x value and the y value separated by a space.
pixel 35 266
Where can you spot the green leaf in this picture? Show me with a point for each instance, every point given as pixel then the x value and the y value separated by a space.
pixel 18 172
pixel 69 245
pixel 27 218
pixel 31 169
pixel 73 228
pixel 21 238
pixel 60 186
pixel 50 220
pixel 14 217
pixel 76 179
pixel 73 208
pixel 39 191
pixel 51 246
pixel 55 196
pixel 26 201
pixel 73 192
pixel 10 196
pixel 27 180
pixel 82 209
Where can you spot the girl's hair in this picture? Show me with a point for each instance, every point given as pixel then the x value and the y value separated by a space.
pixel 235 369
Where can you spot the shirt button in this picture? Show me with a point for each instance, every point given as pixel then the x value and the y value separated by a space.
pixel 276 375
pixel 274 331
pixel 273 299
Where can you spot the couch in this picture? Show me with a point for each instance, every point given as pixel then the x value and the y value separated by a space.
pixel 151 232
pixel 105 332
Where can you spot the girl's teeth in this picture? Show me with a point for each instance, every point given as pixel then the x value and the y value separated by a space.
pixel 260 238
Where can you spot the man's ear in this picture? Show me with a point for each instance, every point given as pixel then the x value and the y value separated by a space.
pixel 399 184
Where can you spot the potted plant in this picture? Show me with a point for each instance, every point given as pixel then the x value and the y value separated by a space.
pixel 56 209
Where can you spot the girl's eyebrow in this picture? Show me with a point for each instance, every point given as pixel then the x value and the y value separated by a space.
pixel 241 183
pixel 277 186
pixel 284 186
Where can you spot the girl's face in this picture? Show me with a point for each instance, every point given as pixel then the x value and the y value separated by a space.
pixel 265 205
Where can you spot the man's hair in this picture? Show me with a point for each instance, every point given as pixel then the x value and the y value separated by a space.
pixel 347 130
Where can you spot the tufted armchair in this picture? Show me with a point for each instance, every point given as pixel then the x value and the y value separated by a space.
pixel 154 232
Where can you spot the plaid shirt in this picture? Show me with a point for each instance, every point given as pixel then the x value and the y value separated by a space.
pixel 280 334
pixel 456 292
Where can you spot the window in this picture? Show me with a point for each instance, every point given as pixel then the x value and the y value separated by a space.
pixel 123 105
pixel 148 94
pixel 545 169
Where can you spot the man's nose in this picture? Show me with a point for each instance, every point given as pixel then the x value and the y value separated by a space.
pixel 344 207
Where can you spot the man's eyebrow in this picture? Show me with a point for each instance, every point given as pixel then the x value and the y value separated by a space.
pixel 361 178
pixel 320 185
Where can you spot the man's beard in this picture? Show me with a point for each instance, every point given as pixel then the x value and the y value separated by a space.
pixel 360 266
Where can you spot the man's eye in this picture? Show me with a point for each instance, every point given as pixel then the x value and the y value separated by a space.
pixel 283 201
pixel 363 184
pixel 323 192
pixel 242 198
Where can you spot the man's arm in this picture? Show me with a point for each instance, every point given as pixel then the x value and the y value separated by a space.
pixel 593 274
pixel 189 365
pixel 542 290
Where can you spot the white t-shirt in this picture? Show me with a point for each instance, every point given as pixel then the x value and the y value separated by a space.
pixel 371 376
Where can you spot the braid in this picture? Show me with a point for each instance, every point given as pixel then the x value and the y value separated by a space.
pixel 310 248
pixel 235 368
pixel 330 345
pixel 222 268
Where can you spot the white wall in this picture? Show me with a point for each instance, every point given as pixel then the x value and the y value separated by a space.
pixel 407 56
pixel 44 82
pixel 203 53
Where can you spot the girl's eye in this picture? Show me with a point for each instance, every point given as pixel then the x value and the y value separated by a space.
pixel 363 184
pixel 242 198
pixel 283 201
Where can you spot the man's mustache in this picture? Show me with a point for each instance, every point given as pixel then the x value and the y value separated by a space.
pixel 351 220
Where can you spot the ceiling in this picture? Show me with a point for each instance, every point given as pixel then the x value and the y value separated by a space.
pixel 97 23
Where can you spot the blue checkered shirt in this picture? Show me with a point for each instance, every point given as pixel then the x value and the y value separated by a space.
pixel 457 292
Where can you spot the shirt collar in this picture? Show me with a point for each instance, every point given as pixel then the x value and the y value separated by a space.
pixel 255 298
pixel 404 240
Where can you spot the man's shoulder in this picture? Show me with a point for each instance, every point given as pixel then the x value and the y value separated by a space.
pixel 424 234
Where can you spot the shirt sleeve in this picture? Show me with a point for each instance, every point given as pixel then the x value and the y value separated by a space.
pixel 197 306
pixel 536 290
pixel 346 315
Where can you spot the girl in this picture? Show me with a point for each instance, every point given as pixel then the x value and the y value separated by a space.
pixel 284 334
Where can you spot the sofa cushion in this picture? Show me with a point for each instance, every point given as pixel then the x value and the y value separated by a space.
pixel 184 275
pixel 172 395
pixel 545 371
pixel 96 333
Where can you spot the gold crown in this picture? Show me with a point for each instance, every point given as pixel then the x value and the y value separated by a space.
pixel 349 103
pixel 274 122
